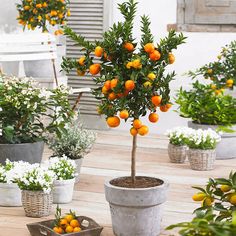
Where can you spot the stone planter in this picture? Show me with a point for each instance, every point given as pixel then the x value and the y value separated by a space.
pixel 36 203
pixel 10 195
pixel 29 152
pixel 63 190
pixel 177 154
pixel 225 149
pixel 78 163
pixel 136 211
pixel 201 159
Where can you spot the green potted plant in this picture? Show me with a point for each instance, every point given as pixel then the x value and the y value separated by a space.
pixel 131 83
pixel 27 114
pixel 75 142
pixel 208 109
pixel 177 148
pixel 63 186
pixel 202 144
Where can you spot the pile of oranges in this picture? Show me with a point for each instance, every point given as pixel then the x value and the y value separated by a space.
pixel 67 224
pixel 38 13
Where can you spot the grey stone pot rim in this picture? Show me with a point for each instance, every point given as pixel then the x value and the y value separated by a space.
pixel 21 144
pixel 162 186
pixel 64 181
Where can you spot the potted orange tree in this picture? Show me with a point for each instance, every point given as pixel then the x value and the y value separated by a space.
pixel 131 83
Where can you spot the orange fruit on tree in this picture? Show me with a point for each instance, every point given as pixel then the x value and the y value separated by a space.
pixel 39 5
pixel 98 51
pixel 133 131
pixel 156 100
pixel 114 82
pixel 94 69
pixel 69 218
pixel 171 58
pixel 147 84
pixel 58 230
pixel 107 84
pixel 81 60
pixel 153 117
pixel 149 47
pixel 26 8
pixel 129 85
pixel 113 121
pixel 80 72
pixel 112 96
pixel 165 108
pixel 143 130
pixel 232 199
pixel 63 223
pixel 129 46
pixel 155 55
pixel 151 76
pixel 209 71
pixel 129 65
pixel 74 223
pixel 137 64
pixel 124 114
pixel 137 124
pixel 77 229
pixel 104 90
pixel 69 229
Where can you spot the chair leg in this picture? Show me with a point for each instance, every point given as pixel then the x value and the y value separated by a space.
pixel 77 102
pixel 54 71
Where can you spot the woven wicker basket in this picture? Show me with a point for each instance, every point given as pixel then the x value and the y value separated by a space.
pixel 201 159
pixel 36 203
pixel 177 154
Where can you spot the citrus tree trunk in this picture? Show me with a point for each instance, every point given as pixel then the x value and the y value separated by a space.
pixel 133 160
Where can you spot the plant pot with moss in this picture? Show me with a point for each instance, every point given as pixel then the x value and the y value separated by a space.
pixel 27 114
pixel 131 84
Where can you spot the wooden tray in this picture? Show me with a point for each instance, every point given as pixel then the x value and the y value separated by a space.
pixel 44 228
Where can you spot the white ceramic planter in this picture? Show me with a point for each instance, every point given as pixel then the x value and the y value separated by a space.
pixel 136 211
pixel 225 149
pixel 10 195
pixel 78 163
pixel 63 191
pixel 177 154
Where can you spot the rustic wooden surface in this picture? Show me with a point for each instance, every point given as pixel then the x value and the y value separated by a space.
pixel 109 158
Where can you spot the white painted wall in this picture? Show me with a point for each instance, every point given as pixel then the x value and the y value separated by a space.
pixel 200 48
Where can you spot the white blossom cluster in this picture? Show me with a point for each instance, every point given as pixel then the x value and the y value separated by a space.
pixel 178 135
pixel 63 167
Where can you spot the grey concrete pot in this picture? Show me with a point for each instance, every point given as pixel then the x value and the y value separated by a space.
pixel 136 211
pixel 78 163
pixel 29 152
pixel 226 148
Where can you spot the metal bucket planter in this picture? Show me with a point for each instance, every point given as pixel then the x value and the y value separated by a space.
pixel 78 163
pixel 177 154
pixel 136 211
pixel 10 195
pixel 28 152
pixel 36 203
pixel 201 159
pixel 225 149
pixel 63 190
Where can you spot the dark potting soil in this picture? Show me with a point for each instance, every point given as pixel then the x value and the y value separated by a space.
pixel 140 182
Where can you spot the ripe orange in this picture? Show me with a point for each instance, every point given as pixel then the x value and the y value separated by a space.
pixel 69 218
pixel 143 130
pixel 137 124
pixel 156 100
pixel 98 51
pixel 153 117
pixel 113 121
pixel 129 85
pixel 77 229
pixel 45 4
pixel 165 108
pixel 124 114
pixel 94 69
pixel 149 47
pixel 112 96
pixel 39 5
pixel 129 46
pixel 74 223
pixel 81 61
pixel 26 8
pixel 155 56
pixel 58 230
pixel 129 65
pixel 107 84
pixel 114 83
pixel 80 72
pixel 171 58
pixel 104 90
pixel 69 229
pixel 137 64
pixel 151 76
pixel 63 223
pixel 133 131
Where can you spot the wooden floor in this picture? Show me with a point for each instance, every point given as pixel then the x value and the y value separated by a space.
pixel 109 158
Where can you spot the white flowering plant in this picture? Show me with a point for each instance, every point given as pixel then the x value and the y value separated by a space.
pixel 203 139
pixel 37 178
pixel 63 167
pixel 178 135
pixel 12 171
pixel 24 106
pixel 74 143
